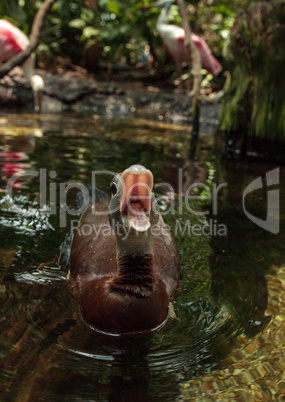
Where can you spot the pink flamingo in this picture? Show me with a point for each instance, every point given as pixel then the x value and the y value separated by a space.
pixel 12 42
pixel 173 38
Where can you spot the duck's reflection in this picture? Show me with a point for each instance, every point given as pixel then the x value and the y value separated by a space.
pixel 119 366
pixel 130 375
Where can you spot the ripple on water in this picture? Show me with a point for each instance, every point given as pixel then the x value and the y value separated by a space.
pixel 49 352
pixel 255 368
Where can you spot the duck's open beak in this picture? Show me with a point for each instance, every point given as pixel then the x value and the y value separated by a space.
pixel 137 184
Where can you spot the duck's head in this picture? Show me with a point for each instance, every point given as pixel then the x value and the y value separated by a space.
pixel 133 210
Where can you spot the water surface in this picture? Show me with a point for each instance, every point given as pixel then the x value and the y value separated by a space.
pixel 225 302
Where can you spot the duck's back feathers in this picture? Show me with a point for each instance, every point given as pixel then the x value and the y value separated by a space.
pixel 81 204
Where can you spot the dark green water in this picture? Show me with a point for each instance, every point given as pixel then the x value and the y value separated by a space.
pixel 47 352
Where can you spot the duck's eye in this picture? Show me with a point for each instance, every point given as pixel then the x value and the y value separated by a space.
pixel 113 188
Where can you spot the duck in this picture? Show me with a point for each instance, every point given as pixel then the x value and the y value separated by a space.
pixel 124 264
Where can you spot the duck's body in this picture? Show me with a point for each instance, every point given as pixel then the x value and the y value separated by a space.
pixel 124 277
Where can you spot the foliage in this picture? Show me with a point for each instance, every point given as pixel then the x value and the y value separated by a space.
pixel 253 100
pixel 119 30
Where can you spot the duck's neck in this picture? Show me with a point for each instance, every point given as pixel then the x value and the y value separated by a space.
pixel 135 275
pixel 135 266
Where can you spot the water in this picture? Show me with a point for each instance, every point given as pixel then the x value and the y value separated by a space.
pixel 229 310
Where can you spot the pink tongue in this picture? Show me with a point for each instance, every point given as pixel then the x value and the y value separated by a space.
pixel 136 214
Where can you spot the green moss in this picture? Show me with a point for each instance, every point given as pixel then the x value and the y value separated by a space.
pixel 254 90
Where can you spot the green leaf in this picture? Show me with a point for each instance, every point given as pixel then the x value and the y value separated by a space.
pixel 88 32
pixel 206 80
pixel 77 23
pixel 87 15
pixel 225 33
pixel 113 7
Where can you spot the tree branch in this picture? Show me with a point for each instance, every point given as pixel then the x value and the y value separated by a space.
pixel 194 54
pixel 34 39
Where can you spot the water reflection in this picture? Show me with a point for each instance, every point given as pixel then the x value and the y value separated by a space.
pixel 50 351
pixel 50 334
pixel 247 250
pixel 47 351
pixel 15 161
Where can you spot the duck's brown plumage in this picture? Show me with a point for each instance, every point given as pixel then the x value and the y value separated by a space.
pixel 124 285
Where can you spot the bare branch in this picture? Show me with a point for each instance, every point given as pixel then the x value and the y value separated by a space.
pixel 195 55
pixel 34 39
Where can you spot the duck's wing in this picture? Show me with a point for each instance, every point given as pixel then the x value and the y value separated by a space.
pixel 93 249
pixel 81 201
pixel 94 195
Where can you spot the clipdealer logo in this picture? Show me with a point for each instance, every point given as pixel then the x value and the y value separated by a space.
pixel 270 224
pixel 272 221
